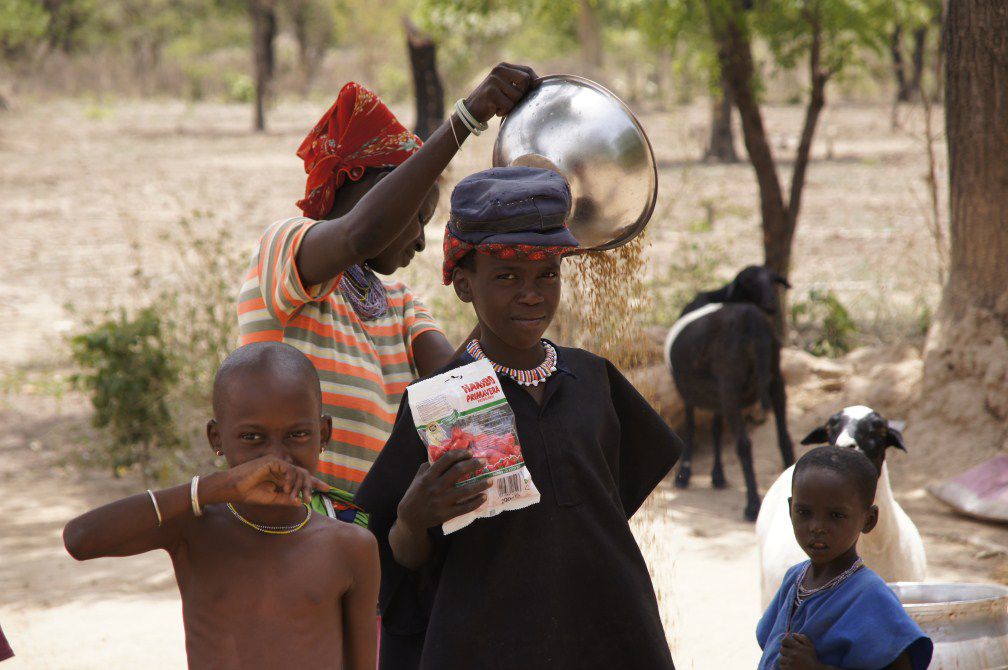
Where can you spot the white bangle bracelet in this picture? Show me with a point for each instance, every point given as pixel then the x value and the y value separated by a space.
pixel 451 122
pixel 464 118
pixel 475 127
pixel 157 510
pixel 464 114
pixel 194 496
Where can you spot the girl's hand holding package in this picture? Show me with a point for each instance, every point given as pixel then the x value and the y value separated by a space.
pixel 433 498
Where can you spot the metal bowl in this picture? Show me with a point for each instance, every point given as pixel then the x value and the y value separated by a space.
pixel 968 623
pixel 584 132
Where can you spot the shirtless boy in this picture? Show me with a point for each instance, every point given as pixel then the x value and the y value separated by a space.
pixel 264 582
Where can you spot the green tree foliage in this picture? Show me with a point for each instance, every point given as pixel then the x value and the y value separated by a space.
pixel 23 24
pixel 471 33
pixel 129 375
pixel 71 25
pixel 149 373
pixel 846 28
pixel 828 35
pixel 468 32
pixel 28 27
pixel 822 326
pixel 914 21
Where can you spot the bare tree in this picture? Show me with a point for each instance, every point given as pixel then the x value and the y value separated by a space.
pixel 264 30
pixel 721 144
pixel 314 30
pixel 899 64
pixel 589 32
pixel 908 88
pixel 427 87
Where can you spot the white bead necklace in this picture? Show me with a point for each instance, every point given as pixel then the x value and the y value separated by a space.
pixel 533 377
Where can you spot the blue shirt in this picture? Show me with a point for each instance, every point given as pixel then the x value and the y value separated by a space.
pixel 859 624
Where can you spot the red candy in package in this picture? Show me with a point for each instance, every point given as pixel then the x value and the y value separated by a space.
pixel 466 408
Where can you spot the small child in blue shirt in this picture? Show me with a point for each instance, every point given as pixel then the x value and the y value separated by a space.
pixel 831 611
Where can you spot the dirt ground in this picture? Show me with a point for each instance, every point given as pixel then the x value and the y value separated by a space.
pixel 80 183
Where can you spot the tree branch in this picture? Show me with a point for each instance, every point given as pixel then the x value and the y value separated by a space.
pixel 735 56
pixel 817 100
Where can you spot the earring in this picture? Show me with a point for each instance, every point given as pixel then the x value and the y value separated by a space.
pixel 322 450
pixel 219 453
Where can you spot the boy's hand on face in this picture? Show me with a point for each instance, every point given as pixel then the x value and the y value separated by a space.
pixel 433 498
pixel 263 481
pixel 500 91
pixel 798 653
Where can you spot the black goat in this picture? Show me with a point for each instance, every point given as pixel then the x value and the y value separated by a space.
pixel 724 356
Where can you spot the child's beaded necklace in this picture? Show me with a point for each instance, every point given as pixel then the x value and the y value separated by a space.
pixel 272 530
pixel 802 594
pixel 533 377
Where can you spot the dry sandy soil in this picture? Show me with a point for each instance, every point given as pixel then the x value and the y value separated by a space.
pixel 80 183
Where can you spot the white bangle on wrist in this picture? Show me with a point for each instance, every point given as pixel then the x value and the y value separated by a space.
pixel 451 122
pixel 157 510
pixel 468 120
pixel 194 496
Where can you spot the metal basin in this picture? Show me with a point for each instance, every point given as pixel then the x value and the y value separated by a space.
pixel 968 623
pixel 581 130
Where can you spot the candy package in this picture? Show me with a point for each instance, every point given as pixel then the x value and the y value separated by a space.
pixel 466 407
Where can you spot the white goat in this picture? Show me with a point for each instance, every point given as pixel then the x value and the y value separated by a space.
pixel 893 549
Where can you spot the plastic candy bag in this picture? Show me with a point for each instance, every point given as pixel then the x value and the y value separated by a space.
pixel 466 407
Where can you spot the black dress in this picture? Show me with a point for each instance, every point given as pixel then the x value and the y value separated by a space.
pixel 560 585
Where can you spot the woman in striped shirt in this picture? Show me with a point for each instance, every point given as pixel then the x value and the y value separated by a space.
pixel 312 281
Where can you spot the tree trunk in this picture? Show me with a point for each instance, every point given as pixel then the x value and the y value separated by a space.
pixel 427 87
pixel 780 219
pixel 917 62
pixel 264 28
pixel 735 57
pixel 589 32
pixel 899 69
pixel 817 100
pixel 977 129
pixel 313 32
pixel 299 17
pixel 721 145
pixel 968 339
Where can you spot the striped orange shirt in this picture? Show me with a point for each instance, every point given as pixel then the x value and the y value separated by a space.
pixel 364 366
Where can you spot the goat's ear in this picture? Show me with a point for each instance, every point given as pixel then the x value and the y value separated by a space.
pixel 817 436
pixel 894 438
pixel 780 280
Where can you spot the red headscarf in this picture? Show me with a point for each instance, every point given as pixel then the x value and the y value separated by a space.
pixel 456 249
pixel 357 132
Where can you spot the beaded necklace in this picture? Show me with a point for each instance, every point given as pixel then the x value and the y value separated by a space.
pixel 533 377
pixel 272 530
pixel 802 594
pixel 364 291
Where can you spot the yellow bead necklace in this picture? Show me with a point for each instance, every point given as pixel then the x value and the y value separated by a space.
pixel 272 530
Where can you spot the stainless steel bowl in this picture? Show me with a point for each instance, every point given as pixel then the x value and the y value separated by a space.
pixel 584 132
pixel 968 623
